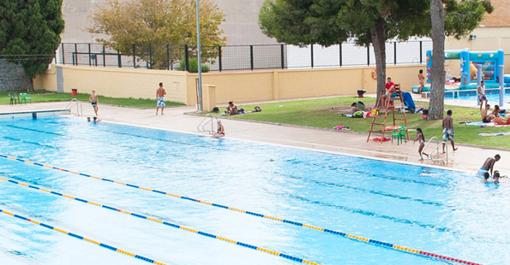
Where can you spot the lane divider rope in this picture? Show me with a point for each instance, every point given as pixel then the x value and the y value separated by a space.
pixel 160 221
pixel 353 237
pixel 80 237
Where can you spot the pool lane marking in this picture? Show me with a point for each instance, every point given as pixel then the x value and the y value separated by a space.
pixel 80 237
pixel 230 208
pixel 269 217
pixel 375 192
pixel 379 176
pixel 159 221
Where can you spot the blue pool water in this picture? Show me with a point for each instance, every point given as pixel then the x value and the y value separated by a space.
pixel 471 95
pixel 435 210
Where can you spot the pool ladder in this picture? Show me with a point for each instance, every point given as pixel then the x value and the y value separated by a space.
pixel 75 104
pixel 437 155
pixel 207 125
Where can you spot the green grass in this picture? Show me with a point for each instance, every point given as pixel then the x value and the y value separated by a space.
pixel 45 96
pixel 324 113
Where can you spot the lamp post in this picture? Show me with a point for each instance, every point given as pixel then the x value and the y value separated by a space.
pixel 200 107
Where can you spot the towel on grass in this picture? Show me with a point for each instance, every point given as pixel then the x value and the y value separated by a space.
pixel 495 134
pixel 480 124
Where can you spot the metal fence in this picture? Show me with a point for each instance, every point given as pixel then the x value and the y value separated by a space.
pixel 240 57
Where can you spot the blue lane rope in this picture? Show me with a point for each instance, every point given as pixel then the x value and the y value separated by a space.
pixel 251 213
pixel 80 237
pixel 160 221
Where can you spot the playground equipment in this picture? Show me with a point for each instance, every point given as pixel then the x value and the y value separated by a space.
pixel 475 66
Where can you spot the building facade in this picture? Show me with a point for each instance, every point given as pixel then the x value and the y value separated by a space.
pixel 240 26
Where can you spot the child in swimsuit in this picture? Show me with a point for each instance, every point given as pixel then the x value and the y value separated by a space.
pixel 220 132
pixel 420 137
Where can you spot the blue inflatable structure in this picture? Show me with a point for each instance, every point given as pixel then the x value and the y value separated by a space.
pixel 475 67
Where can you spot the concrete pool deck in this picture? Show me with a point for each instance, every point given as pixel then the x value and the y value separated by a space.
pixel 468 158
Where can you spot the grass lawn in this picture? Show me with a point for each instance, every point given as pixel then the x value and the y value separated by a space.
pixel 45 96
pixel 325 113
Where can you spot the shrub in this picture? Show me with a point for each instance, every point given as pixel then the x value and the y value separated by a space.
pixel 193 66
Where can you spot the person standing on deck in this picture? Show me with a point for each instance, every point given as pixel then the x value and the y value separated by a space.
pixel 160 99
pixel 482 98
pixel 448 132
pixel 93 101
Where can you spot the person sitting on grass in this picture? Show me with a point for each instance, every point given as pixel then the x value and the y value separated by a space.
pixel 487 169
pixel 420 137
pixel 357 106
pixel 495 112
pixel 232 109
pixel 484 111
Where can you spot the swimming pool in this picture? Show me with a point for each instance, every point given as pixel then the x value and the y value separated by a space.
pixel 472 95
pixel 434 210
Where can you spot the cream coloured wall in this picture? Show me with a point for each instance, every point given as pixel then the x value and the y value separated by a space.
pixel 290 84
pixel 47 81
pixel 246 86
pixel 117 82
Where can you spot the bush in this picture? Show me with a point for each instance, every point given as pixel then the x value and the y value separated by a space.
pixel 193 66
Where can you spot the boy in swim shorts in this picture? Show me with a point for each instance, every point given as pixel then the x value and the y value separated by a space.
pixel 448 133
pixel 160 99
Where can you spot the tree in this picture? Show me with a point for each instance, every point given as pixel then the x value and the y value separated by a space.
pixel 329 22
pixel 436 103
pixel 30 33
pixel 461 18
pixel 158 25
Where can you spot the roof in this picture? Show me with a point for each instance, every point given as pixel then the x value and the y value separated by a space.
pixel 499 17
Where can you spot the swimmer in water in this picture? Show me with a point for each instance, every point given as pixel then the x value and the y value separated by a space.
pixel 487 169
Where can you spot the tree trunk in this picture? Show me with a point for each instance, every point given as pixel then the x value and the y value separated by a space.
pixel 436 103
pixel 378 35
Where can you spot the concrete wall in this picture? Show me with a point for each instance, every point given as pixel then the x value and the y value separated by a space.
pixel 246 86
pixel 116 82
pixel 490 38
pixel 12 77
pixel 291 84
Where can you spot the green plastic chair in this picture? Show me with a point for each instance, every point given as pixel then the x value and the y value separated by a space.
pixel 13 98
pixel 399 134
pixel 25 98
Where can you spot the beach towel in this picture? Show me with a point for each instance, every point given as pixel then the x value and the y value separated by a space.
pixel 479 124
pixel 495 134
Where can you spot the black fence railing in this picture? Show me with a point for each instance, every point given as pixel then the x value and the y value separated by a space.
pixel 240 57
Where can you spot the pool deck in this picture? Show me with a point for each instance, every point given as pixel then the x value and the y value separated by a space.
pixel 467 158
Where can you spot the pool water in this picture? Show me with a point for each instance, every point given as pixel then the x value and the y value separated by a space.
pixel 472 95
pixel 434 210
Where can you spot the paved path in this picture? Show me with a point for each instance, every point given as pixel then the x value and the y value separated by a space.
pixel 467 158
